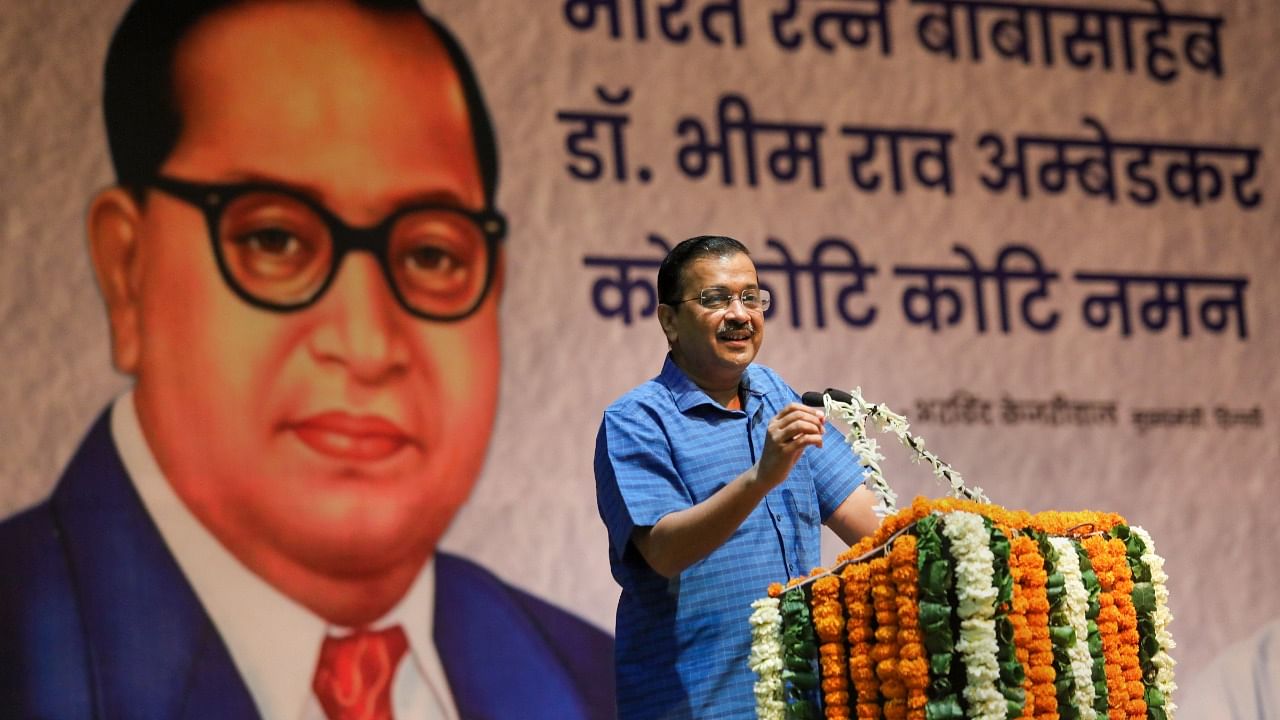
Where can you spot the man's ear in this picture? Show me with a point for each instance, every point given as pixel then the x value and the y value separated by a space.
pixel 115 220
pixel 667 319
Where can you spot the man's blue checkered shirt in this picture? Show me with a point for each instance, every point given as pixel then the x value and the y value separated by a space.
pixel 682 644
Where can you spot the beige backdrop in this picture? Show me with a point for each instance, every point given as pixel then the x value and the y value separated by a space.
pixel 1203 492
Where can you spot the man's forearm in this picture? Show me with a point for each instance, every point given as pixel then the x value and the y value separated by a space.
pixel 856 517
pixel 684 537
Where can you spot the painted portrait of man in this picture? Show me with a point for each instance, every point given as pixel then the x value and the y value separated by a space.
pixel 301 262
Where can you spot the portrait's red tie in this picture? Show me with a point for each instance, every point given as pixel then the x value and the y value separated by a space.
pixel 354 675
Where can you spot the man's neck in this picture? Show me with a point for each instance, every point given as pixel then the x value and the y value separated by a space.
pixel 723 390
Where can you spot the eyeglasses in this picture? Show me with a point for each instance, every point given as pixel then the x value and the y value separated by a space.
pixel 719 299
pixel 279 249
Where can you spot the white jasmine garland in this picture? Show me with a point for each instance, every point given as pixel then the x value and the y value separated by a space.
pixel 976 605
pixel 766 658
pixel 1077 606
pixel 856 414
pixel 1162 617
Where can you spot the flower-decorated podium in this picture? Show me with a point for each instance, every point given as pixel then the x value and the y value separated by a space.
pixel 958 608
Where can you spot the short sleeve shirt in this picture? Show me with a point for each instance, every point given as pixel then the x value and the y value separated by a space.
pixel 682 644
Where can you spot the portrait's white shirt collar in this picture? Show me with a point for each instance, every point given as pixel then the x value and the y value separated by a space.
pixel 273 640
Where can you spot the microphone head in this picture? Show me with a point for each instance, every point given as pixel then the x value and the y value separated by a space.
pixel 812 398
pixel 840 396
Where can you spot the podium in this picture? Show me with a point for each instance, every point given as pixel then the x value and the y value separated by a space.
pixel 959 608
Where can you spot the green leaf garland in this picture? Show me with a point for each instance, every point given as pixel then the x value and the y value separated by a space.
pixel 799 657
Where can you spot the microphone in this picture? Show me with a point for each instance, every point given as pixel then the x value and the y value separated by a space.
pixel 813 398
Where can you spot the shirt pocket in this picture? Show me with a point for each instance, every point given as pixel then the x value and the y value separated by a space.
pixel 800 504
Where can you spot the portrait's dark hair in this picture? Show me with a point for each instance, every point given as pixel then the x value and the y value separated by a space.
pixel 671 272
pixel 140 106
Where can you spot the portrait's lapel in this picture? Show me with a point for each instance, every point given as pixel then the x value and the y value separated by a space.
pixel 152 649
pixel 498 661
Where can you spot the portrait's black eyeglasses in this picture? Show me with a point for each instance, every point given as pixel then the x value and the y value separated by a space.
pixel 719 299
pixel 279 249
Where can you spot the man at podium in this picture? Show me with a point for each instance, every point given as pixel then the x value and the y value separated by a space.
pixel 712 480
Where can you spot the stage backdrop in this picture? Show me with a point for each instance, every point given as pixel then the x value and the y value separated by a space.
pixel 1048 236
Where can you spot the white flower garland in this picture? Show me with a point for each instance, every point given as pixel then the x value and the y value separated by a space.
pixel 856 414
pixel 1077 602
pixel 766 658
pixel 976 595
pixel 1162 617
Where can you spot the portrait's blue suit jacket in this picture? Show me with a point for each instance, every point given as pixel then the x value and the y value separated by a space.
pixel 98 621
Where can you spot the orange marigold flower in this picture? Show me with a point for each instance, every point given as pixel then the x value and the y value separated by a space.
pixel 881 651
pixel 832 667
pixel 887 634
pixel 829 624
pixel 1108 559
pixel 828 627
pixel 885 652
pixel 1030 619
pixel 913 667
pixel 894 689
pixel 857 595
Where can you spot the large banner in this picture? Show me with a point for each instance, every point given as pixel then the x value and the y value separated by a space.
pixel 1045 232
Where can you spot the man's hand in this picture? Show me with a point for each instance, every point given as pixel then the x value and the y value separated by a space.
pixel 686 536
pixel 793 429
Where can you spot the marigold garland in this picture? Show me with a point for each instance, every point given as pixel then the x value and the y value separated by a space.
pixel 1030 617
pixel 890 526
pixel 1124 683
pixel 828 623
pixel 860 631
pixel 1057 522
pixel 1017 613
pixel 885 651
pixel 1104 567
pixel 1009 521
pixel 913 668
